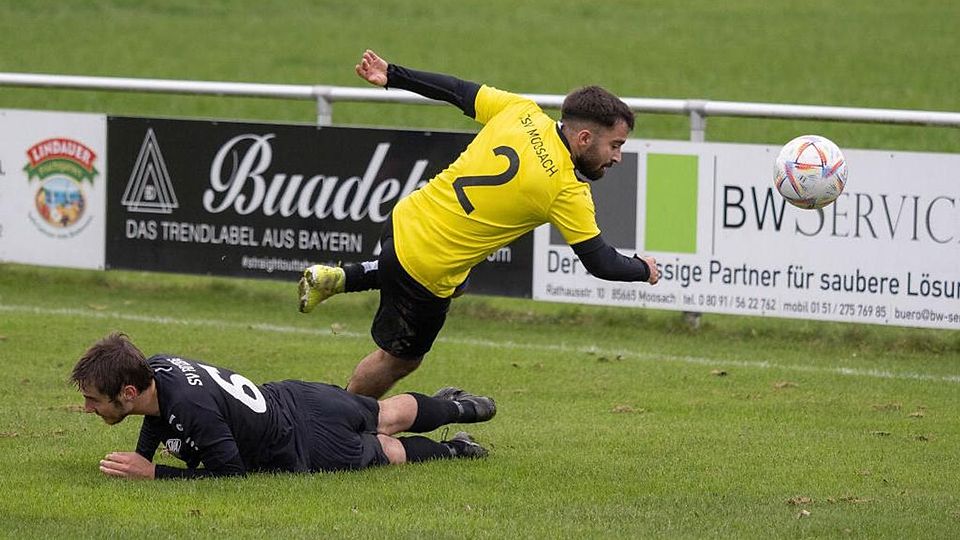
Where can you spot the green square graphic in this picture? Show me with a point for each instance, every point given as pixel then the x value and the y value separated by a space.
pixel 671 220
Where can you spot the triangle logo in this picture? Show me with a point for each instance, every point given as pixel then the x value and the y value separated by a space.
pixel 149 188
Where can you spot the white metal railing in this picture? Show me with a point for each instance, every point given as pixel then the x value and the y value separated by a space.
pixel 324 96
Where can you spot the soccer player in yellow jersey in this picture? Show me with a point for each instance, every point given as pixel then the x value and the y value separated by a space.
pixel 521 170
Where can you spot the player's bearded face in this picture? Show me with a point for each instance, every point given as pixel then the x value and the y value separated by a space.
pixel 591 162
pixel 602 152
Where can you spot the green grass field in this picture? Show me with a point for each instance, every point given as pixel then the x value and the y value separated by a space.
pixel 612 423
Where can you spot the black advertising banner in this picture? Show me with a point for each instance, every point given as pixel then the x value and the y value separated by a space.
pixel 268 200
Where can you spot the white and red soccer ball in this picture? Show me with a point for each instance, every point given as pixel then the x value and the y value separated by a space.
pixel 810 172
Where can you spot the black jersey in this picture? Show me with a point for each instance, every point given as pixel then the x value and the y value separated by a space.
pixel 215 417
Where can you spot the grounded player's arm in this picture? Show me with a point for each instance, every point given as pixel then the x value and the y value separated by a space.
pixel 222 459
pixel 150 438
pixel 218 452
pixel 164 471
pixel 210 442
pixel 127 465
pixel 137 464
pixel 377 71
pixel 605 262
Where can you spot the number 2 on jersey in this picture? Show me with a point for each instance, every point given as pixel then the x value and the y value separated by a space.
pixel 460 184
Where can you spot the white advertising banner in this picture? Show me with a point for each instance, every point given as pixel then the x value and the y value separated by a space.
pixel 886 252
pixel 52 188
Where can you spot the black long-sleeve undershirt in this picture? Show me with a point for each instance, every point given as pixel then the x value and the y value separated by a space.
pixel 462 94
pixel 605 262
pixel 165 472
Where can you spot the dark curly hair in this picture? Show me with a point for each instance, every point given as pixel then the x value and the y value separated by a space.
pixel 594 104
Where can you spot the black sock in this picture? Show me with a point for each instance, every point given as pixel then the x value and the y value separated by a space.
pixel 433 413
pixel 421 449
pixel 361 276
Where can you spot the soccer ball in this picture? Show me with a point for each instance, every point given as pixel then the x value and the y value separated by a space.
pixel 810 172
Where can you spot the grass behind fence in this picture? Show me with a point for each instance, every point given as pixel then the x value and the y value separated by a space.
pixel 861 53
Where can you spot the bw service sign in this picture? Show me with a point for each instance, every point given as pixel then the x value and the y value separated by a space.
pixel 887 251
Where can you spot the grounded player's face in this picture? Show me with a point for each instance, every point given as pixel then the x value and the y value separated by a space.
pixel 112 411
pixel 602 152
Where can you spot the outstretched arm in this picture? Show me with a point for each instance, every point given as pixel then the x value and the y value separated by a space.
pixel 372 68
pixel 604 262
pixel 458 92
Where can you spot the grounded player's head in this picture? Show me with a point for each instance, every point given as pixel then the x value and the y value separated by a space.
pixel 109 365
pixel 595 105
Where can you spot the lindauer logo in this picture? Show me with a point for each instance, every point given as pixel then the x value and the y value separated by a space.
pixel 62 166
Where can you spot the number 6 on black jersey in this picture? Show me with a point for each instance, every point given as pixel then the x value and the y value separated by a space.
pixel 464 182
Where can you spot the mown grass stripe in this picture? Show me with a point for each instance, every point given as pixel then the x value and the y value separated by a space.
pixel 281 329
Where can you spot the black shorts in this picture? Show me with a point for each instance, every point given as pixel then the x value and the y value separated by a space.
pixel 341 427
pixel 410 316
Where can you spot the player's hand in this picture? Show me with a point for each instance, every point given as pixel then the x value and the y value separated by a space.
pixel 127 465
pixel 372 68
pixel 654 271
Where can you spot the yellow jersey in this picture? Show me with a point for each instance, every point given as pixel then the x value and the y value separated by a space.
pixel 515 175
